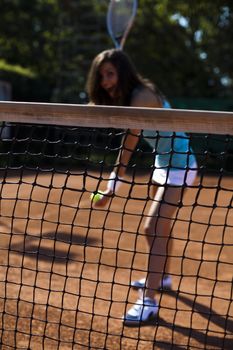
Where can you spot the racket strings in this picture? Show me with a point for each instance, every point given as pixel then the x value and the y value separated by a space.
pixel 120 17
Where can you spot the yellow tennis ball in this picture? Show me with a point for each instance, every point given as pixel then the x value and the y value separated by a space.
pixel 96 197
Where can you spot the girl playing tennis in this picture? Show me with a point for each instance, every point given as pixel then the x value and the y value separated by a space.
pixel 113 80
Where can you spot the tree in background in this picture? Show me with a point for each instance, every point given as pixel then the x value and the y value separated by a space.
pixel 184 46
pixel 53 40
pixel 183 43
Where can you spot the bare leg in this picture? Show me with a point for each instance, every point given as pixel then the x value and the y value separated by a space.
pixel 157 229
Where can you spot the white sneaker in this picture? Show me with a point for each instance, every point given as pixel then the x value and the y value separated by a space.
pixel 166 283
pixel 143 311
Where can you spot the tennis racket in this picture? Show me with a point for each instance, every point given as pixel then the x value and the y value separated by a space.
pixel 120 17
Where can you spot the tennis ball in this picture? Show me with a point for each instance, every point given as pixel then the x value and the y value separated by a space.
pixel 95 197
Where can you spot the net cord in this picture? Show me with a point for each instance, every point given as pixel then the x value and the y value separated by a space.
pixel 177 120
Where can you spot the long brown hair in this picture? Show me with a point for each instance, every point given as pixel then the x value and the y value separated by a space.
pixel 128 79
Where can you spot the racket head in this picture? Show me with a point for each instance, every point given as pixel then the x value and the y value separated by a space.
pixel 120 17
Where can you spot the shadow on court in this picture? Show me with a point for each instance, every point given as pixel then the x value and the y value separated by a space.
pixel 52 247
pixel 207 313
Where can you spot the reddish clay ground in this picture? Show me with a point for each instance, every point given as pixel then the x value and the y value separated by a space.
pixel 65 273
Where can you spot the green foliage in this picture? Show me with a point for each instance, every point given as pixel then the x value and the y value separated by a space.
pixel 4 66
pixel 183 46
pixel 182 43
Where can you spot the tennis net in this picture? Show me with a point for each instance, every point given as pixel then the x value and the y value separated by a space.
pixel 66 266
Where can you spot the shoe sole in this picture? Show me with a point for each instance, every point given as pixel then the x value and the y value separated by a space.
pixel 165 289
pixel 152 320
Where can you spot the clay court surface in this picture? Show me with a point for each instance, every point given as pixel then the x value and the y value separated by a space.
pixel 65 268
